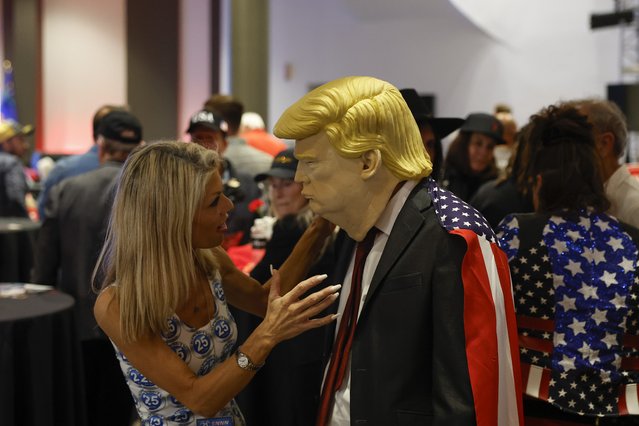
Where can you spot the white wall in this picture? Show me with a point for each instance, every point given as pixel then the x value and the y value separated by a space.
pixel 525 53
pixel 84 67
pixel 195 60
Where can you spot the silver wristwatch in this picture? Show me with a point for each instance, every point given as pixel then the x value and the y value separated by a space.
pixel 244 362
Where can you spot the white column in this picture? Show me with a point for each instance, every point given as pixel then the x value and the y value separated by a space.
pixel 194 85
pixel 83 67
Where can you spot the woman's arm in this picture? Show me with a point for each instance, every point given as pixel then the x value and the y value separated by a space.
pixel 248 294
pixel 287 317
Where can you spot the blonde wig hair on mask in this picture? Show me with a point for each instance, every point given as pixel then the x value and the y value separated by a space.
pixel 360 114
pixel 148 255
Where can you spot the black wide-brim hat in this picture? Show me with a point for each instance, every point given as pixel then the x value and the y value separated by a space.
pixel 441 126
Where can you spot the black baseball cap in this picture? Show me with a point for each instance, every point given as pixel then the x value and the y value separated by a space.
pixel 209 120
pixel 121 126
pixel 485 124
pixel 283 166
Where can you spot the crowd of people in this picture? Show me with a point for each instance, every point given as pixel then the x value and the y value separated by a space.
pixel 347 269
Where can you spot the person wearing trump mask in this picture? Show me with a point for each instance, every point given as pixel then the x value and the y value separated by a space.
pixel 426 331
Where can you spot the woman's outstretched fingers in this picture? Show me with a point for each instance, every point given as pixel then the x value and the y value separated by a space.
pixel 288 316
pixel 318 297
pixel 315 303
pixel 303 286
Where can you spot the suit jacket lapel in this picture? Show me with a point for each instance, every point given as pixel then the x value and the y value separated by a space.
pixel 407 224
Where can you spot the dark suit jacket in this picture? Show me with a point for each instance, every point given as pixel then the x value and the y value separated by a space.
pixel 13 186
pixel 71 238
pixel 408 360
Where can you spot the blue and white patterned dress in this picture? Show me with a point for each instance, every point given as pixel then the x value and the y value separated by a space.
pixel 201 349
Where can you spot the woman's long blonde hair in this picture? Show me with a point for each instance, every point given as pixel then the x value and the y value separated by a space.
pixel 148 251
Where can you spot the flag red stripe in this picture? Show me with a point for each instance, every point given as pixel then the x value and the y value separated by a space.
pixel 480 325
pixel 544 386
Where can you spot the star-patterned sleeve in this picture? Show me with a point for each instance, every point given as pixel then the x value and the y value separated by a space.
pixel 508 236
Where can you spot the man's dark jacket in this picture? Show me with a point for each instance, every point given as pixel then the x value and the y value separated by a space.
pixel 71 237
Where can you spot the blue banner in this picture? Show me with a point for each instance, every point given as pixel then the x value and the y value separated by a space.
pixel 8 109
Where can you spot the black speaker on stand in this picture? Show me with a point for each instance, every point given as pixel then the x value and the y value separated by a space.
pixel 626 96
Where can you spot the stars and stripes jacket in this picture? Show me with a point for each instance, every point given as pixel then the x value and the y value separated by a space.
pixel 436 339
pixel 576 286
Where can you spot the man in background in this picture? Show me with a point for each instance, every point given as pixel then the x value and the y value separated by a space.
pixel 13 183
pixel 209 129
pixel 68 247
pixel 75 164
pixel 245 158
pixel 611 140
pixel 503 152
pixel 253 131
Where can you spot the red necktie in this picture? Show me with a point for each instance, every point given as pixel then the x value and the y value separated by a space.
pixel 342 346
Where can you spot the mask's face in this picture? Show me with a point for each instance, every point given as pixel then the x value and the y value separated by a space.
pixel 332 184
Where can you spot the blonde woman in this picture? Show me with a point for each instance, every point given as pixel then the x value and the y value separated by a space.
pixel 166 283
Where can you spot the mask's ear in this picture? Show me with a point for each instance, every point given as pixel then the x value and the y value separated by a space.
pixel 371 163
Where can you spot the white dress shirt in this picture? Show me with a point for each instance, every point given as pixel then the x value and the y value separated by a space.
pixel 341 415
pixel 622 189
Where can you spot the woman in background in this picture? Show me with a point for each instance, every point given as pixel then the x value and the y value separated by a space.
pixel 576 283
pixel 166 284
pixel 507 194
pixel 272 398
pixel 291 215
pixel 470 160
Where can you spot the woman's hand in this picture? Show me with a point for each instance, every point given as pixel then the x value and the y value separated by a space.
pixel 290 315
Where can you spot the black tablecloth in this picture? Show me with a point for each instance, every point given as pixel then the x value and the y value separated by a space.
pixel 41 380
pixel 17 242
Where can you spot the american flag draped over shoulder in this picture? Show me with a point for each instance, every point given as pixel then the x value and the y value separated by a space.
pixel 489 315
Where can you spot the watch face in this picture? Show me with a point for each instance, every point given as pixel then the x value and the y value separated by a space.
pixel 242 361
